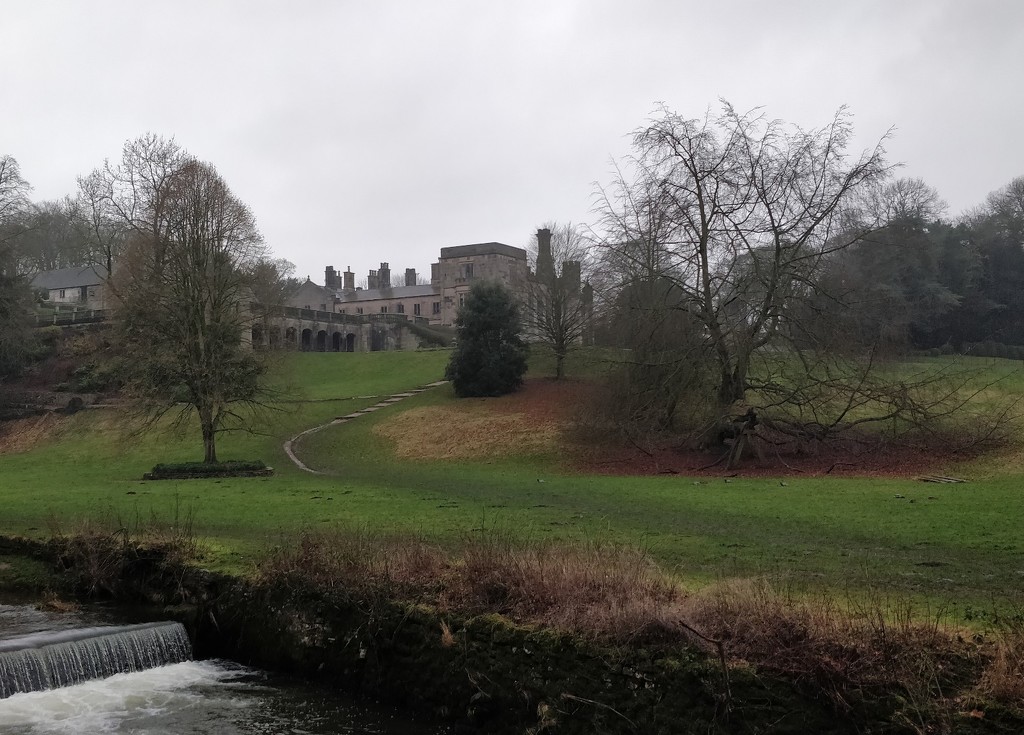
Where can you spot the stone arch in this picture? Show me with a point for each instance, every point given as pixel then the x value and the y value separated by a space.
pixel 307 339
pixel 291 337
pixel 378 339
pixel 256 336
pixel 321 341
pixel 350 342
pixel 336 342
pixel 274 337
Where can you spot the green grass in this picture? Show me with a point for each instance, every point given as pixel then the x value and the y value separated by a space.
pixel 962 547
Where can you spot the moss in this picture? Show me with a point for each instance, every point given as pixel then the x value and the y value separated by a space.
pixel 23 574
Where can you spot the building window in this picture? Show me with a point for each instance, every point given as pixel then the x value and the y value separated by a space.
pixel 359 310
pixel 437 307
pixel 341 311
pixel 400 308
pixel 462 300
pixel 62 293
pixel 416 309
pixel 467 270
pixel 383 310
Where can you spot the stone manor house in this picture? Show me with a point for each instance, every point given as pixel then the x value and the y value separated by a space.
pixel 340 316
pixel 436 303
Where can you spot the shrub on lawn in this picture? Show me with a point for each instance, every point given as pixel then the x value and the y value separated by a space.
pixel 193 469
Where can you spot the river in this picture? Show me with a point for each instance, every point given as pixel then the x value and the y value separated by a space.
pixel 212 697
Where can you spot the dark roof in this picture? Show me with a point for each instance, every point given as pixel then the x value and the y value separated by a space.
pixel 483 248
pixel 89 275
pixel 380 294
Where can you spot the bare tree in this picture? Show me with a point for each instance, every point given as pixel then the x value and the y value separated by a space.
pixel 183 291
pixel 729 228
pixel 52 237
pixel 127 200
pixel 558 304
pixel 15 296
pixel 273 283
pixel 741 214
pixel 13 197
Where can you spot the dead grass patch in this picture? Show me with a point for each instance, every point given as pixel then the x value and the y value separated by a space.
pixel 1003 679
pixel 24 435
pixel 466 431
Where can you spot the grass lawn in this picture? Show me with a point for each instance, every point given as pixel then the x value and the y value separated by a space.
pixel 959 546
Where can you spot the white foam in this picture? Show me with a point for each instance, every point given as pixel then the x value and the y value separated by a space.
pixel 137 702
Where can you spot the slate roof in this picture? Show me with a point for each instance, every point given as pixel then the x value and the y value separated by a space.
pixel 90 275
pixel 395 292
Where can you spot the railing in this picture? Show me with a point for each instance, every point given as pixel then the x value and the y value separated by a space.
pixel 333 317
pixel 64 318
pixel 92 316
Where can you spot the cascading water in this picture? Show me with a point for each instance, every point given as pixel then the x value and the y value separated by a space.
pixel 42 661
pixel 212 697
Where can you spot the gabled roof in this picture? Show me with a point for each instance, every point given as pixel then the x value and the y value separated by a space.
pixel 89 275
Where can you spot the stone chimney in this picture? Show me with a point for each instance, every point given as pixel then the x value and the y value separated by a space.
pixel 330 277
pixel 410 276
pixel 545 263
pixel 371 280
pixel 571 276
pixel 350 278
pixel 384 276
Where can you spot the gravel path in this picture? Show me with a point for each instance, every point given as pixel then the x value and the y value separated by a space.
pixel 289 446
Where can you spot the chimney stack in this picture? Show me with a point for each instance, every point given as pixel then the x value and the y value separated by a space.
pixel 545 263
pixel 571 276
pixel 350 278
pixel 330 277
pixel 410 276
pixel 384 276
pixel 371 280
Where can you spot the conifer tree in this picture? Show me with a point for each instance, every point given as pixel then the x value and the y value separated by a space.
pixel 490 355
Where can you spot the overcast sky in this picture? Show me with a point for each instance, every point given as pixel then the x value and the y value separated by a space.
pixel 371 131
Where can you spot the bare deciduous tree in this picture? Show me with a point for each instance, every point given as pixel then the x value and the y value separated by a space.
pixel 742 215
pixel 183 291
pixel 127 200
pixel 13 196
pixel 15 298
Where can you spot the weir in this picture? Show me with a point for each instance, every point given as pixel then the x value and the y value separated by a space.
pixel 42 661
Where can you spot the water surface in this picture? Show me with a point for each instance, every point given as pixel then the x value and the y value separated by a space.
pixel 211 697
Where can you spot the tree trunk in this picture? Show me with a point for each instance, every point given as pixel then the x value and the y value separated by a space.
pixel 209 436
pixel 733 386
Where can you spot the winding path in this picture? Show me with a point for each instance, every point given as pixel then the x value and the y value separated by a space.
pixel 289 446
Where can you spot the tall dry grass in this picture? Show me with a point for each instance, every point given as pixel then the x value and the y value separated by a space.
pixel 846 650
pixel 99 550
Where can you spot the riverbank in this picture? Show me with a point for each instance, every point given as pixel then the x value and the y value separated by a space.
pixel 487 672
